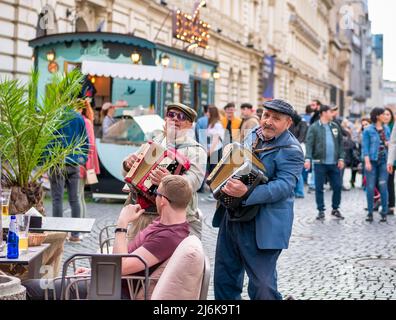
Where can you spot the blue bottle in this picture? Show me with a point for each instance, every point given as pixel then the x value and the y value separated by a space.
pixel 13 240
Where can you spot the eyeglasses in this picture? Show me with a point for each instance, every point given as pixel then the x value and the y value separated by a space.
pixel 161 195
pixel 178 115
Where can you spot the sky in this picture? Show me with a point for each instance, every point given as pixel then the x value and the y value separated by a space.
pixel 382 16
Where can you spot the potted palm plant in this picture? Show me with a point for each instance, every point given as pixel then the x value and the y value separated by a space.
pixel 28 125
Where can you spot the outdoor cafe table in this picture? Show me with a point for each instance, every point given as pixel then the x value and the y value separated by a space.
pixel 32 258
pixel 83 225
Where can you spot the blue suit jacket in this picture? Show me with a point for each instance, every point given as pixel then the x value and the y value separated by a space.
pixel 276 198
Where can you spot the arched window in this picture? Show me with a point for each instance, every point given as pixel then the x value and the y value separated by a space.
pixel 81 25
pixel 46 23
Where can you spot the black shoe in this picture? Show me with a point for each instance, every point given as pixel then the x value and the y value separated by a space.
pixel 369 218
pixel 383 219
pixel 345 189
pixel 321 215
pixel 391 212
pixel 376 206
pixel 336 213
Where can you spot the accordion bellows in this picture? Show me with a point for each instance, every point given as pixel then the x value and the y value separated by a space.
pixel 240 163
pixel 149 157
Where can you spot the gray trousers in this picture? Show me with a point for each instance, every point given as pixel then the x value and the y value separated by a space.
pixel 70 177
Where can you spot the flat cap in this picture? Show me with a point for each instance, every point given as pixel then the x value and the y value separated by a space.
pixel 189 112
pixel 281 107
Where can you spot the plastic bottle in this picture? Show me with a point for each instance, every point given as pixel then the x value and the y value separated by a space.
pixel 13 239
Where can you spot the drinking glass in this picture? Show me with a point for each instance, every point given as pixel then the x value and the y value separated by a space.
pixel 5 201
pixel 23 221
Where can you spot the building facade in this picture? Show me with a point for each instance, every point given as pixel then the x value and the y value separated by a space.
pixel 233 43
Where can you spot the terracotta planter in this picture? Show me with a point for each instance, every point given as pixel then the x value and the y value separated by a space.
pixel 22 199
pixel 11 288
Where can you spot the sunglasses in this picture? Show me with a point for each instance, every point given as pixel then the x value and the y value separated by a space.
pixel 161 195
pixel 178 115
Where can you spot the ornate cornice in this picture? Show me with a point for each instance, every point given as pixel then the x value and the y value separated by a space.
pixel 305 30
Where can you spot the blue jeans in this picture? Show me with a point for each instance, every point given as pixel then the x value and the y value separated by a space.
pixel 299 189
pixel 334 176
pixel 377 176
pixel 237 252
pixel 71 177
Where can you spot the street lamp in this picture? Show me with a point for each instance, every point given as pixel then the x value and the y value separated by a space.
pixel 216 74
pixel 51 55
pixel 135 57
pixel 165 60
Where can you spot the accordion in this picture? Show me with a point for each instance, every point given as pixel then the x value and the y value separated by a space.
pixel 150 157
pixel 237 163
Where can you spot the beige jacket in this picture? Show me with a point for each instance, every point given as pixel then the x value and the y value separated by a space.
pixel 196 154
pixel 247 125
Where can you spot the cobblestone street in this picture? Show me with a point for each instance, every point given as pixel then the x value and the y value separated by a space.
pixel 330 259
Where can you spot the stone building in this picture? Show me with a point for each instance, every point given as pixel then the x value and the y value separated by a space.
pixel 233 45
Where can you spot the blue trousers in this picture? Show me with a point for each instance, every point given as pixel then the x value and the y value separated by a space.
pixel 334 175
pixel 377 176
pixel 237 252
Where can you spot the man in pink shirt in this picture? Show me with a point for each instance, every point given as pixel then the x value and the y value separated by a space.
pixel 155 244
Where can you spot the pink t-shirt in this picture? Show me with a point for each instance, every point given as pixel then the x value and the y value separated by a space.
pixel 159 239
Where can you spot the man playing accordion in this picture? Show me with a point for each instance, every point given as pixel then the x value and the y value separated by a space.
pixel 178 135
pixel 254 245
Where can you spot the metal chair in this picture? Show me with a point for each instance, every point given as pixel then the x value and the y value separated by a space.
pixel 105 280
pixel 106 238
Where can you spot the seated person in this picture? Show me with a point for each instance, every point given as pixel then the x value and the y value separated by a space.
pixel 155 244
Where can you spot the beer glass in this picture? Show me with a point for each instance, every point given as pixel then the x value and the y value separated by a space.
pixel 23 221
pixel 5 201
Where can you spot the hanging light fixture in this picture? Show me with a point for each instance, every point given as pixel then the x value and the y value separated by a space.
pixel 135 57
pixel 51 55
pixel 165 60
pixel 216 74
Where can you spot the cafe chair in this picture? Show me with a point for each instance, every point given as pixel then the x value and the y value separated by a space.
pixel 106 238
pixel 103 283
pixel 184 276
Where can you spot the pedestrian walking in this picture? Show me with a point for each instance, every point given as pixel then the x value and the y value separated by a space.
pixel 231 124
pixel 72 132
pixel 389 120
pixel 254 246
pixel 249 120
pixel 324 148
pixel 92 160
pixel 375 152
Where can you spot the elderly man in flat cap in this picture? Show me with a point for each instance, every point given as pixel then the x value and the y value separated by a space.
pixel 178 134
pixel 255 245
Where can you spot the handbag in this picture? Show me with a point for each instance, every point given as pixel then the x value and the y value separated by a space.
pixel 91 177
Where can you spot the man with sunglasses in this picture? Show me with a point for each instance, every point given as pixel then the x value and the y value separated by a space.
pixel 155 244
pixel 254 246
pixel 178 133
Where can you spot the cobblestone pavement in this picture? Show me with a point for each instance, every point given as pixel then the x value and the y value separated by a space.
pixel 330 259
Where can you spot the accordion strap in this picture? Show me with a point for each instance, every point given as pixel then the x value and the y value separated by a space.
pixel 261 150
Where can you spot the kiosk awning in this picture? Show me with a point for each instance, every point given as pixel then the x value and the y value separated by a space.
pixel 136 72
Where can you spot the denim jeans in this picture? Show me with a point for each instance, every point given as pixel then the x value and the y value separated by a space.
pixel 334 176
pixel 377 176
pixel 71 177
pixel 299 189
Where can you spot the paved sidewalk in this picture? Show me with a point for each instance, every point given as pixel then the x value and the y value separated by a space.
pixel 330 259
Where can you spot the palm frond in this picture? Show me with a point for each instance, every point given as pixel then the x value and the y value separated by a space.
pixel 29 124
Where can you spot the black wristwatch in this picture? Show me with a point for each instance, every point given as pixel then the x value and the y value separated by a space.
pixel 120 230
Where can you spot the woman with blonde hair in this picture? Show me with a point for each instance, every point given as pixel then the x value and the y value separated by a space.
pixel 215 137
